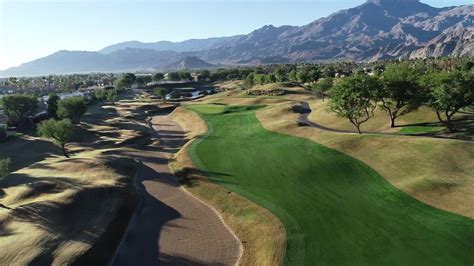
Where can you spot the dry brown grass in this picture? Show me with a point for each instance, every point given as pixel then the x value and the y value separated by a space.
pixel 435 171
pixel 68 209
pixel 59 208
pixel 260 232
pixel 230 85
pixel 288 87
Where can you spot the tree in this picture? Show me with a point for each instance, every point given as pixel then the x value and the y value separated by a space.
pixel 184 75
pixel 174 76
pixel 293 75
pixel 400 93
pixel 158 76
pixel 4 171
pixel 58 130
pixel 143 80
pixel 259 78
pixel 351 98
pixel 322 87
pixel 125 81
pixel 204 75
pixel 279 75
pixel 302 76
pixel 249 81
pixel 52 103
pixel 4 167
pixel 18 109
pixel 160 92
pixel 313 75
pixel 100 94
pixel 73 108
pixel 448 93
pixel 270 78
pixel 3 132
pixel 111 95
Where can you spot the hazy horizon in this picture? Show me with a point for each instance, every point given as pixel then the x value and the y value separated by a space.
pixel 35 29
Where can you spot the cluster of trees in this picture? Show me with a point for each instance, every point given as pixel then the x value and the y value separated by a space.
pixel 63 115
pixel 400 89
pixel 180 75
pixel 311 72
pixel 59 83
pixel 19 109
pixel 108 93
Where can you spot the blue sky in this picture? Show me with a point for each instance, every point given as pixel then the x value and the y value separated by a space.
pixel 30 29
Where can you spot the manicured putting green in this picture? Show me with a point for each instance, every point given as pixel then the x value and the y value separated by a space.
pixel 336 210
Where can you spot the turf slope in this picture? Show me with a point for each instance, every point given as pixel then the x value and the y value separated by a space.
pixel 336 210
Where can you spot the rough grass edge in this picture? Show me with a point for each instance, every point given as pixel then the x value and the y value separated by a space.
pixel 233 209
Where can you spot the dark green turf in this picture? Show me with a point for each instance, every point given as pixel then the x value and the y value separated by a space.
pixel 420 129
pixel 336 210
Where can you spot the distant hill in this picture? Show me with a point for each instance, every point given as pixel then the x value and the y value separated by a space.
pixel 377 29
pixel 184 46
pixel 189 63
pixel 66 62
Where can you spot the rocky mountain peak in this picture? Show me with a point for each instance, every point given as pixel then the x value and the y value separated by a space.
pixel 391 2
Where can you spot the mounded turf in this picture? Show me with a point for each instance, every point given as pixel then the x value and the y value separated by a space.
pixel 336 210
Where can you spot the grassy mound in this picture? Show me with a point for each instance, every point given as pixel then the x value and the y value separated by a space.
pixel 336 210
pixel 276 89
pixel 59 208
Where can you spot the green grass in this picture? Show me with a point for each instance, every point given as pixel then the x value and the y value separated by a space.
pixel 420 129
pixel 336 209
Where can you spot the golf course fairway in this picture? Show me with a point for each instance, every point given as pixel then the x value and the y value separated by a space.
pixel 336 210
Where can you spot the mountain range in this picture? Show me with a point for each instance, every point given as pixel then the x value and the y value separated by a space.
pixel 375 30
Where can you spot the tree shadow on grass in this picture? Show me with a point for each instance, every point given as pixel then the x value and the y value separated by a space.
pixel 191 176
pixel 463 125
pixel 24 152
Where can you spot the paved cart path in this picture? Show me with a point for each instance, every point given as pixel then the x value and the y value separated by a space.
pixel 171 227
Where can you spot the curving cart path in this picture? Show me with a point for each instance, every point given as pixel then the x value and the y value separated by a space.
pixel 172 227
